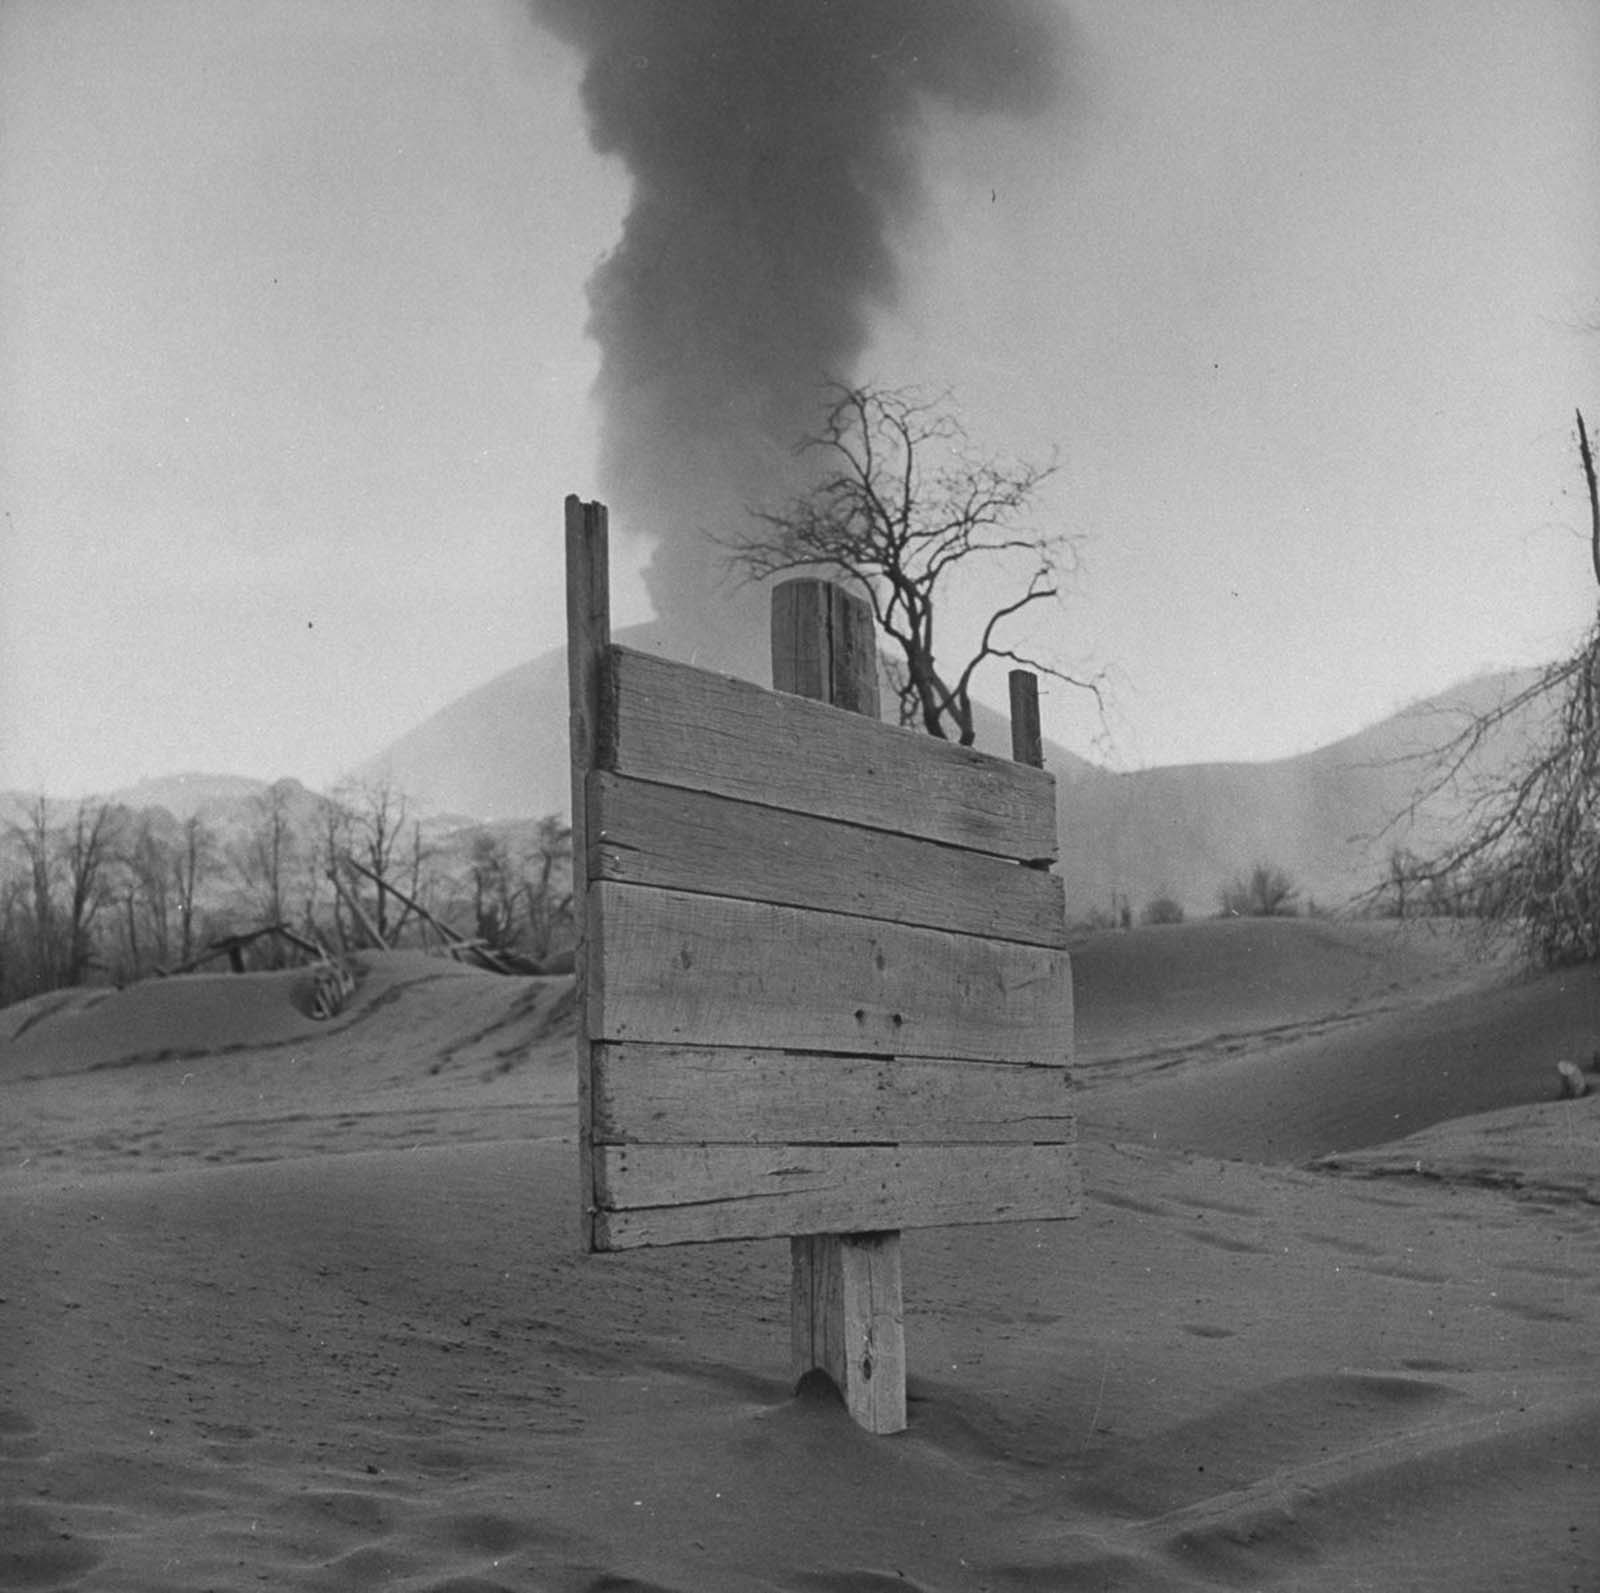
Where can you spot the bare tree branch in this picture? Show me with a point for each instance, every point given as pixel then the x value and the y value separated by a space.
pixel 1586 454
pixel 1527 855
pixel 900 501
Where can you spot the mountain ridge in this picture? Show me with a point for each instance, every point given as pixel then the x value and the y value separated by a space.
pixel 1327 816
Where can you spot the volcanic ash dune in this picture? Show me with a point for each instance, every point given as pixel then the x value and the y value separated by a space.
pixel 299 1305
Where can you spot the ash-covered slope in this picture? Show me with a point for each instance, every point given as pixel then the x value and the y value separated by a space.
pixel 1330 817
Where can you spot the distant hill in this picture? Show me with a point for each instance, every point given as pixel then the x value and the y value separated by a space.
pixel 224 801
pixel 1330 817
pixel 500 753
pixel 185 795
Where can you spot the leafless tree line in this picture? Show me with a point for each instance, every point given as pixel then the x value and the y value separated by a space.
pixel 97 893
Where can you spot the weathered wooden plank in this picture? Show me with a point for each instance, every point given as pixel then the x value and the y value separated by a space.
pixel 641 833
pixel 845 1317
pixel 667 1094
pixel 588 639
pixel 679 969
pixel 677 725
pixel 689 1194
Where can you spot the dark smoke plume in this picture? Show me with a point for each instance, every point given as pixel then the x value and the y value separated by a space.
pixel 773 147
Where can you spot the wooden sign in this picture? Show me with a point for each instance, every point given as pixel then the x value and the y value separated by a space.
pixel 823 980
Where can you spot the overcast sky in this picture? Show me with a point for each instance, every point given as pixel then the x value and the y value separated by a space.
pixel 294 372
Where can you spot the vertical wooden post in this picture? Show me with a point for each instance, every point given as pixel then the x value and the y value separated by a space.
pixel 846 1319
pixel 845 1310
pixel 588 639
pixel 824 646
pixel 1027 740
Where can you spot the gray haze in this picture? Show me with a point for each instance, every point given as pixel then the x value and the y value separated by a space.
pixel 774 152
pixel 294 369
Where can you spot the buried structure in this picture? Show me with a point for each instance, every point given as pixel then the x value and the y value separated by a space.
pixel 823 985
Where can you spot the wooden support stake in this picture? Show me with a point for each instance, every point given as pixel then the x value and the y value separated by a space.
pixel 845 1311
pixel 588 639
pixel 846 1320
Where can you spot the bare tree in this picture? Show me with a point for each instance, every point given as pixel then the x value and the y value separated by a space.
pixel 547 885
pixel 1164 908
pixel 15 961
pixel 902 502
pixel 1401 887
pixel 494 891
pixel 34 838
pixel 88 846
pixel 421 880
pixel 521 887
pixel 147 884
pixel 267 855
pixel 378 813
pixel 1527 857
pixel 192 862
pixel 66 882
pixel 1265 892
pixel 334 826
